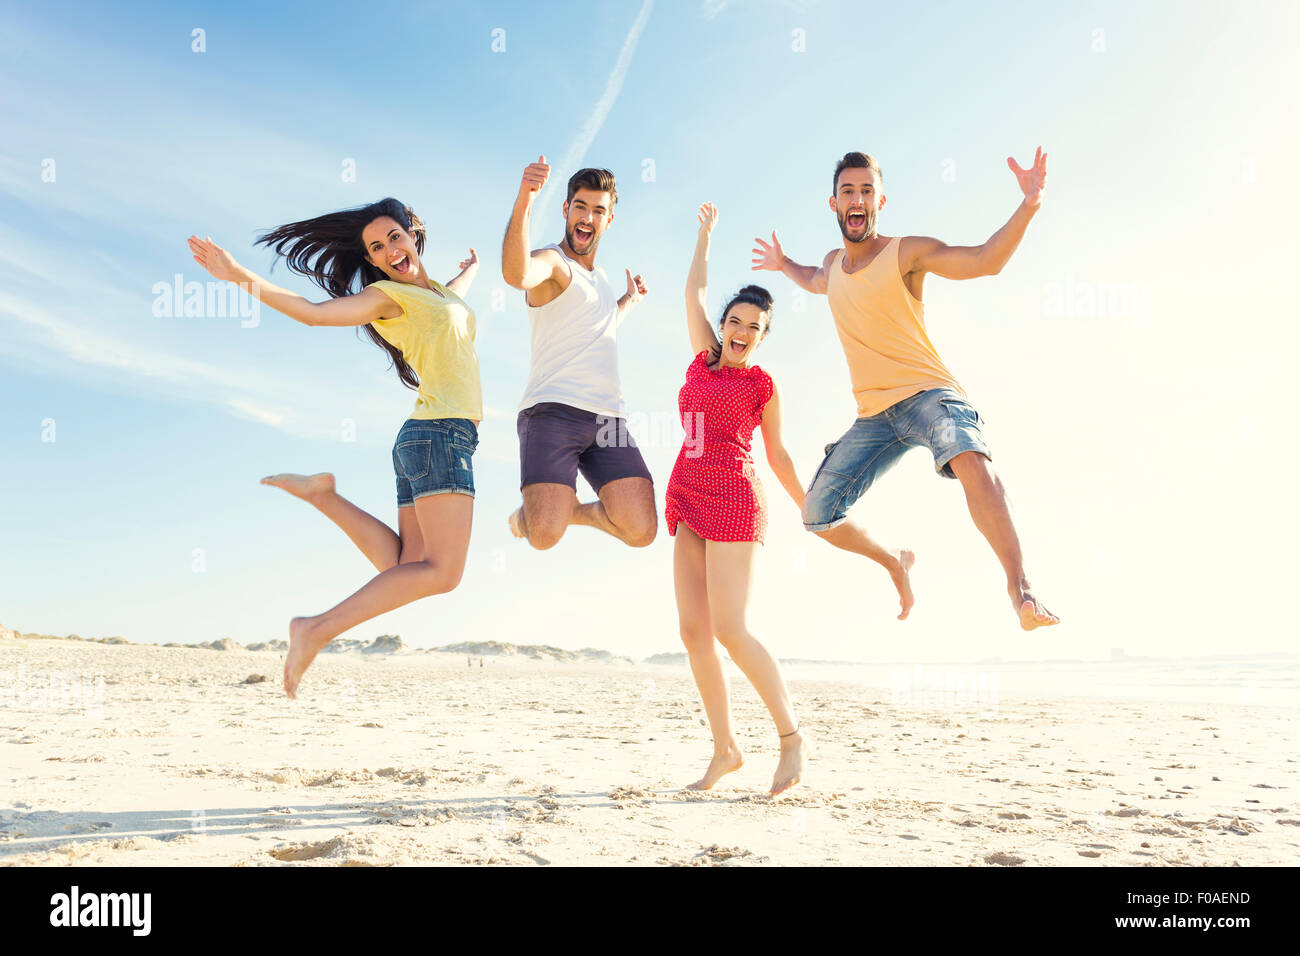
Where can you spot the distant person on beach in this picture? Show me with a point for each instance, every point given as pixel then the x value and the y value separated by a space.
pixel 905 394
pixel 368 260
pixel 571 416
pixel 717 511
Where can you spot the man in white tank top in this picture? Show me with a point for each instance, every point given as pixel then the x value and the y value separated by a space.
pixel 571 417
pixel 906 396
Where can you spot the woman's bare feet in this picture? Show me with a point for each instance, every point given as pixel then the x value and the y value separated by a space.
pixel 306 487
pixel 901 573
pixel 724 762
pixel 517 526
pixel 1032 611
pixel 304 645
pixel 789 769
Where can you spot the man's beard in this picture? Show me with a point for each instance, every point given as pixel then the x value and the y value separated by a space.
pixel 569 238
pixel 870 231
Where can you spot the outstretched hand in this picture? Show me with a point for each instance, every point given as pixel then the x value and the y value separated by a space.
pixel 1033 179
pixel 219 263
pixel 771 257
pixel 471 261
pixel 636 289
pixel 708 217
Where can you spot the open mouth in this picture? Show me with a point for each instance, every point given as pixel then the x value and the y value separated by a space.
pixel 737 347
pixel 856 220
pixel 583 233
pixel 402 266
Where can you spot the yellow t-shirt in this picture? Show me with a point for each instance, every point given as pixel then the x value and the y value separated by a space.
pixel 882 328
pixel 436 337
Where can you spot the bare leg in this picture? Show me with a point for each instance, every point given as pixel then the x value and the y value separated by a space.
pixel 377 541
pixel 706 663
pixel 547 510
pixel 728 570
pixel 626 510
pixel 989 508
pixel 445 522
pixel 852 537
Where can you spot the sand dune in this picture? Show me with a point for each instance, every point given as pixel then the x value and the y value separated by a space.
pixel 134 754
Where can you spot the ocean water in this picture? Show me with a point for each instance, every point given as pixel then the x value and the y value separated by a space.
pixel 1261 681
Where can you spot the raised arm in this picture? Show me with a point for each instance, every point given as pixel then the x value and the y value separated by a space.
pixel 636 291
pixel 698 327
pixel 366 306
pixel 924 254
pixel 773 258
pixel 465 278
pixel 521 268
pixel 778 458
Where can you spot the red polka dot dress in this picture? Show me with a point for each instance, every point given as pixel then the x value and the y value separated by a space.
pixel 713 487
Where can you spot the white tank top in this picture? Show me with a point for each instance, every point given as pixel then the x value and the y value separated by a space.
pixel 574 351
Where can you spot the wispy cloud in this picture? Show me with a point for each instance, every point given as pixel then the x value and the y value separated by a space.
pixel 712 9
pixel 587 134
pixel 248 410
pixel 33 330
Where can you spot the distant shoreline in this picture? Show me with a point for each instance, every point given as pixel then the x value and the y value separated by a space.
pixel 392 644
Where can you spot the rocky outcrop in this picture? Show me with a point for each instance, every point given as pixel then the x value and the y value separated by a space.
pixel 225 644
pixel 537 652
pixel 383 644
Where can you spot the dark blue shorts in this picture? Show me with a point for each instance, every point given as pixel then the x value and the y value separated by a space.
pixel 557 441
pixel 434 456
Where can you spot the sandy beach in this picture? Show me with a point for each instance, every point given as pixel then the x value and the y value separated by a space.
pixel 129 754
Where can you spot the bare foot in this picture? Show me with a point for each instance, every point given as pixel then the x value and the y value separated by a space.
pixel 903 581
pixel 303 648
pixel 517 527
pixel 1033 613
pixel 723 763
pixel 789 770
pixel 306 487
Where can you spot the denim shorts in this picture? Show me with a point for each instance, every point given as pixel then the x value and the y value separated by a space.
pixel 940 419
pixel 434 456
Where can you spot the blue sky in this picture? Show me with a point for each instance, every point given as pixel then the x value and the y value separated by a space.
pixel 1146 441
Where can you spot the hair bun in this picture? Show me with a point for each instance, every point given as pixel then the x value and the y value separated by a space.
pixel 758 292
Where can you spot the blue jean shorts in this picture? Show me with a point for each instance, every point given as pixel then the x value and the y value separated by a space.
pixel 940 419
pixel 434 456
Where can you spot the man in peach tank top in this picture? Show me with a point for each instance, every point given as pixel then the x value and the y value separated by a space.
pixel 906 396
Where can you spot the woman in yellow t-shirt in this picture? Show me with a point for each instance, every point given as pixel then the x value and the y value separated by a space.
pixel 368 260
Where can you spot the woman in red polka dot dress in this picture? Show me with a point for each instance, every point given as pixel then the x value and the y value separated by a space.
pixel 717 512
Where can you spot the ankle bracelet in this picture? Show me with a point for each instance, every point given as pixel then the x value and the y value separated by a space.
pixel 790 734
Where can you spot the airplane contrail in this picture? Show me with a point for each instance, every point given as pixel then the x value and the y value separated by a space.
pixel 561 171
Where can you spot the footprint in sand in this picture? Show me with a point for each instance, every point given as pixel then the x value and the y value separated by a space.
pixel 1004 859
pixel 344 850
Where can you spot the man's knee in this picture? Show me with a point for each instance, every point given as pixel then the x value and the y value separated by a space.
pixel 544 535
pixel 817 513
pixel 641 533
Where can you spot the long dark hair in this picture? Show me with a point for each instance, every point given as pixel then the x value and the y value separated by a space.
pixel 753 295
pixel 328 250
